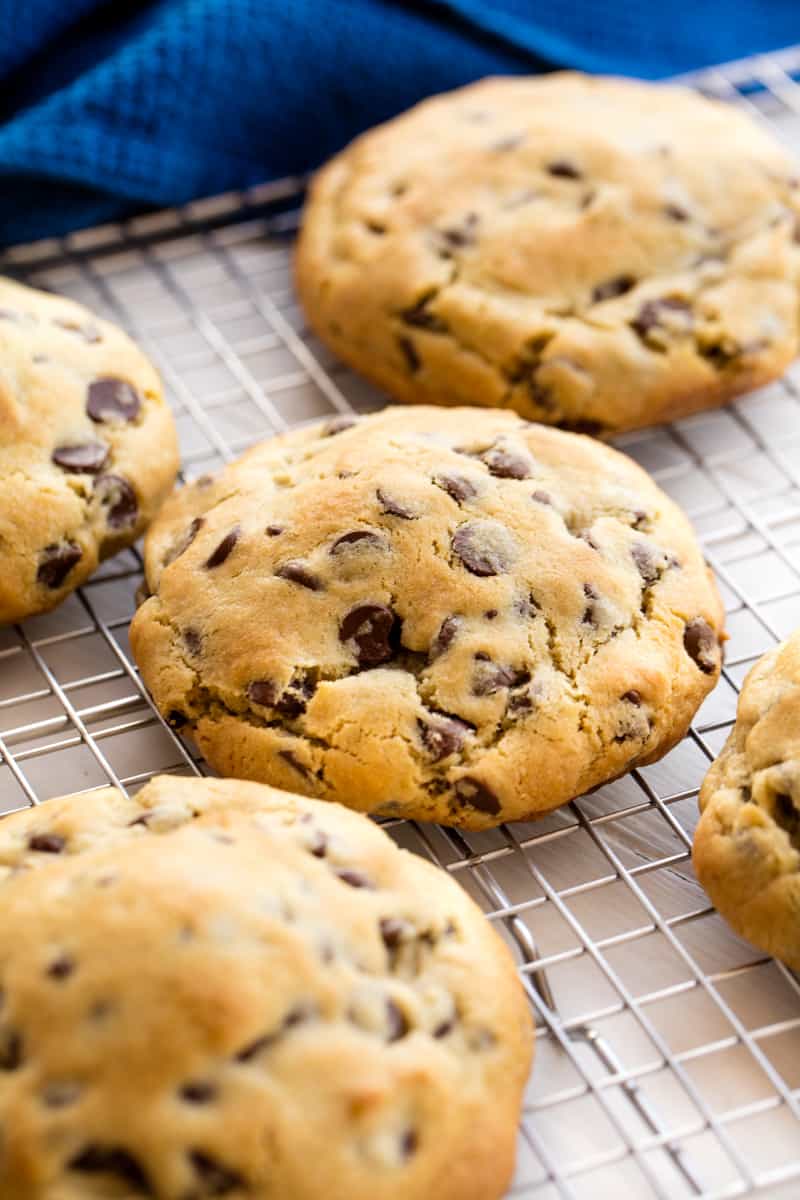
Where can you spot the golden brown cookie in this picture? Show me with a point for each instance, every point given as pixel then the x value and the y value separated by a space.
pixel 449 615
pixel 87 447
pixel 597 253
pixel 747 845
pixel 218 989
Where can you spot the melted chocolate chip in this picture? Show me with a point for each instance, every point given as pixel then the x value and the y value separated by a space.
pixel 215 1179
pixel 700 643
pixel 372 631
pixel 60 968
pixel 262 691
pixel 589 613
pixel 459 236
pixel 296 572
pixel 289 758
pixel 645 560
pixel 193 641
pixel 505 464
pixel 394 507
pixel 10 1050
pixel 611 288
pixel 421 317
pixel 477 552
pixel 562 169
pixel 353 878
pixel 112 400
pixel 319 844
pixel 447 631
pixel 442 736
pixel 84 458
pixel 365 538
pixel 176 719
pixel 56 562
pixel 275 530
pixel 396 1023
pixel 111 1160
pixel 338 425
pixel 653 312
pixel 444 1028
pixel 184 542
pixel 632 697
pixel 47 843
pixel 542 498
pixel 675 212
pixel 409 351
pixel 489 677
pixel 223 550
pixel 393 931
pixel 199 1091
pixel 473 792
pixel 456 486
pixel 119 500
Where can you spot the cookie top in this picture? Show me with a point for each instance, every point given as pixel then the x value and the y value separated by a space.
pixel 218 989
pixel 747 845
pixel 597 253
pixel 87 446
pixel 450 615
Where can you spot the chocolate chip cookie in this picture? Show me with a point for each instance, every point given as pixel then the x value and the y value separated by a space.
pixel 449 615
pixel 747 845
pixel 87 447
pixel 601 254
pixel 217 989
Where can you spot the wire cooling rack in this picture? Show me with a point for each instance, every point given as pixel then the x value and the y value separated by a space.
pixel 668 1057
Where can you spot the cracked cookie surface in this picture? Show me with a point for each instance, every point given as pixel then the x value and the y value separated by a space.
pixel 87 447
pixel 601 254
pixel 449 615
pixel 747 844
pixel 218 989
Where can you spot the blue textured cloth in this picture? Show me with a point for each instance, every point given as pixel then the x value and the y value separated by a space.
pixel 108 107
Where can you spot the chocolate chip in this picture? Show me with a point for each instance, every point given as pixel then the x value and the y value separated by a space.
pixel 338 425
pixel 365 538
pixel 785 814
pixel 84 458
pixel 375 227
pixel 479 551
pixel 589 613
pixel 10 1050
pixel 185 541
pixel 444 1028
pixel 700 643
pixel 611 288
pixel 645 560
pixel 393 932
pixel 354 879
pixel 223 550
pixel 542 498
pixel 442 736
pixel 473 792
pixel 447 631
pixel 562 169
pixel 119 500
pixel 297 572
pixel 319 844
pixel 409 351
pixel 586 426
pixel 216 1179
pixel 262 691
pixel 489 677
pixel 420 316
pixel 372 632
pixel 111 1160
pixel 459 236
pixel 200 1091
pixel 275 530
pixel 653 312
pixel 490 614
pixel 675 212
pixel 396 1023
pixel 632 697
pixel 394 507
pixel 192 640
pixel 288 757
pixel 110 400
pixel 60 968
pixel 47 843
pixel 56 562
pixel 176 719
pixel 505 464
pixel 456 486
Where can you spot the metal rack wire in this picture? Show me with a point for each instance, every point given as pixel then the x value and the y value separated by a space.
pixel 669 1051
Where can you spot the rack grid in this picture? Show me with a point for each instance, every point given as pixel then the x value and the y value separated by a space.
pixel 668 1061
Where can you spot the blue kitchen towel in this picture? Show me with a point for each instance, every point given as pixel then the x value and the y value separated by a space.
pixel 108 106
